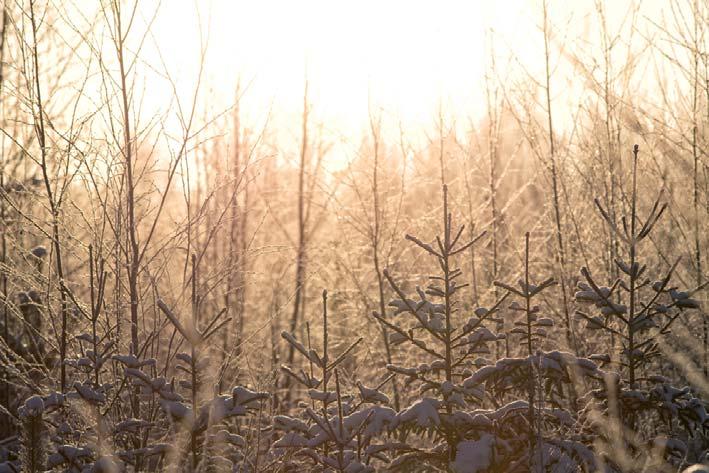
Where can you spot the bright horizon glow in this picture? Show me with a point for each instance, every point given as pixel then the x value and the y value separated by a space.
pixel 407 60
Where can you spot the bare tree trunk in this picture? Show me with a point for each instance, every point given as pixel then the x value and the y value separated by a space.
pixel 695 200
pixel 128 156
pixel 236 235
pixel 492 144
pixel 302 231
pixel 243 262
pixel 133 253
pixel 561 255
pixel 5 401
pixel 376 237
pixel 54 205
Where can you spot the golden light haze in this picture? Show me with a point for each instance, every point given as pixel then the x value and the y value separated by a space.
pixel 354 236
pixel 409 59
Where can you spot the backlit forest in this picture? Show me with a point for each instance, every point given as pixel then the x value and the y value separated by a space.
pixel 402 237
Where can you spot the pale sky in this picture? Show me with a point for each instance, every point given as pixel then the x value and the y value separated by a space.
pixel 407 59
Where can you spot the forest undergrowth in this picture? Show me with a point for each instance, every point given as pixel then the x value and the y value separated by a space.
pixel 515 296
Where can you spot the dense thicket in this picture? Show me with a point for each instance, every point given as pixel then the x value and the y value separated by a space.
pixel 523 294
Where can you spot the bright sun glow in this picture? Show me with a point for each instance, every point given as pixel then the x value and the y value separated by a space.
pixel 407 58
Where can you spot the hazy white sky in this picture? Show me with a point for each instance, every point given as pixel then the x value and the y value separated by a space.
pixel 405 58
